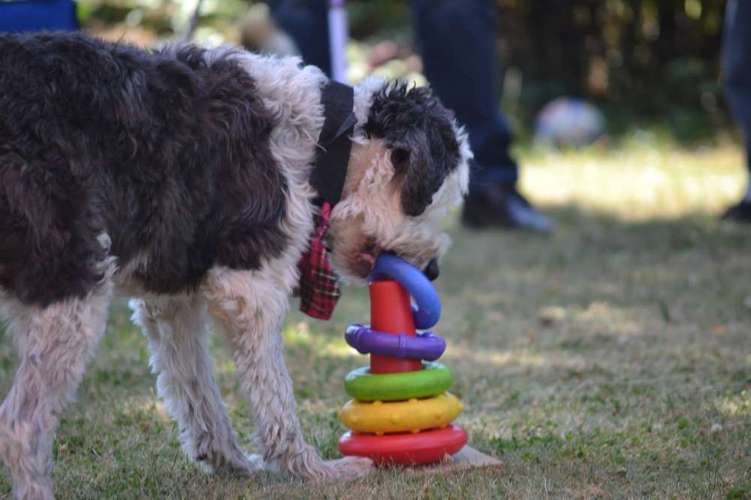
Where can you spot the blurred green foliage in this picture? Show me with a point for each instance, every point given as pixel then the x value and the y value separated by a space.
pixel 642 61
pixel 645 62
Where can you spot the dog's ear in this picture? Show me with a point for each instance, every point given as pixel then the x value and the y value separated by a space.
pixel 400 158
pixel 421 135
pixel 417 172
pixel 422 159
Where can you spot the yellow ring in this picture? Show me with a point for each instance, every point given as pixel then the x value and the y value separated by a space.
pixel 413 415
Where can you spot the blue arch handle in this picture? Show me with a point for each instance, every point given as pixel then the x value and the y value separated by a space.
pixel 428 306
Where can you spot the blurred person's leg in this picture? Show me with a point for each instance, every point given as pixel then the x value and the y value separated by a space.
pixel 457 39
pixel 736 68
pixel 306 21
pixel 458 46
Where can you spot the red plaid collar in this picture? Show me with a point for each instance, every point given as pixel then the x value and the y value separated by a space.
pixel 319 284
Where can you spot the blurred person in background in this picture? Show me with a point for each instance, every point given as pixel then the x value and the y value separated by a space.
pixel 736 68
pixel 458 45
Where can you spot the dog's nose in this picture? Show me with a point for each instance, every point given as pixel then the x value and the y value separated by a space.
pixel 431 270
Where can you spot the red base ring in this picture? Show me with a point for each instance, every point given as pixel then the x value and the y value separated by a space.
pixel 405 449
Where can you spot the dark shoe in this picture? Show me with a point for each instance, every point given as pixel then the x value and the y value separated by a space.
pixel 502 206
pixel 741 212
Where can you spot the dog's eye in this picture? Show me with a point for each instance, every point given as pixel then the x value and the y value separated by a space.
pixel 400 159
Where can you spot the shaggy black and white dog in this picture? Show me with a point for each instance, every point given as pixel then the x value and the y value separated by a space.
pixel 181 178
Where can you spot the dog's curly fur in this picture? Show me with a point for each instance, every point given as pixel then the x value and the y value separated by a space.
pixel 166 153
pixel 179 177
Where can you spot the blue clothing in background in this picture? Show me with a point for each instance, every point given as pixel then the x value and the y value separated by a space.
pixel 307 22
pixel 457 41
pixel 736 66
pixel 37 15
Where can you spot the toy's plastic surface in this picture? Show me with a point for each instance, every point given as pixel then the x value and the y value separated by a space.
pixel 413 415
pixel 401 412
pixel 428 310
pixel 405 449
pixel 391 312
pixel 432 380
pixel 424 345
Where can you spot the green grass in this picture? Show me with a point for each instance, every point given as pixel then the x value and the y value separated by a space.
pixel 612 359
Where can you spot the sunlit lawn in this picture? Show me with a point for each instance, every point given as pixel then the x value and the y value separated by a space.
pixel 612 359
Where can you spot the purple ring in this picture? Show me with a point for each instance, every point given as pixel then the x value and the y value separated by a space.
pixel 425 346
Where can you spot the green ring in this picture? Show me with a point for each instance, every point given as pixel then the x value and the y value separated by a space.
pixel 432 380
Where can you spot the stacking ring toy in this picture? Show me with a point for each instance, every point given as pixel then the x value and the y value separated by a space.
pixel 405 449
pixel 428 310
pixel 425 345
pixel 413 415
pixel 401 413
pixel 432 380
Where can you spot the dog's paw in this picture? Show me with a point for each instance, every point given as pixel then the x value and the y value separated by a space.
pixel 349 468
pixel 230 461
pixel 342 469
pixel 257 463
pixel 309 466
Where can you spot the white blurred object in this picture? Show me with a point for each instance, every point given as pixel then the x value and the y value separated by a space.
pixel 567 121
pixel 338 34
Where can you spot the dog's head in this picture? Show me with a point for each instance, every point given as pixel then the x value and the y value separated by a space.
pixel 409 165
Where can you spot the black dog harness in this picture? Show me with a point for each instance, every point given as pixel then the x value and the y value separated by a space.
pixel 319 285
pixel 334 144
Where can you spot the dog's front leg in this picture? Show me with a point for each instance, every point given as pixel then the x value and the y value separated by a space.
pixel 176 328
pixel 54 344
pixel 251 306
